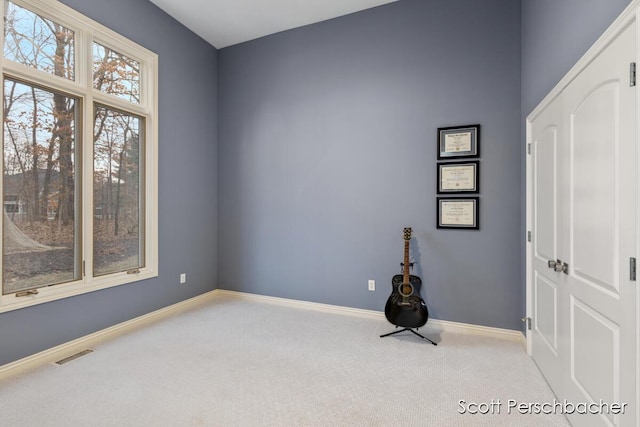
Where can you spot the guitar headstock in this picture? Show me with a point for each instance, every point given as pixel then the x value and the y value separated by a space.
pixel 407 233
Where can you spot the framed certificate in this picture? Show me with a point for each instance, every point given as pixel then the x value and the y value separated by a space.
pixel 458 177
pixel 458 141
pixel 458 213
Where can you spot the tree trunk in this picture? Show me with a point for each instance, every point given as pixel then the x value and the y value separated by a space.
pixel 34 215
pixel 120 168
pixel 63 114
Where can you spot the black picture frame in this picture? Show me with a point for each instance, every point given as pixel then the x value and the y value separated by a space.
pixel 458 142
pixel 459 177
pixel 458 213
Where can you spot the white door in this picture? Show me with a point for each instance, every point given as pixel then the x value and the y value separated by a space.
pixel 545 186
pixel 584 195
pixel 599 232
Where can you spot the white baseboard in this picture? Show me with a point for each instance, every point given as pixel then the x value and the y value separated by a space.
pixel 327 308
pixel 435 325
pixel 69 348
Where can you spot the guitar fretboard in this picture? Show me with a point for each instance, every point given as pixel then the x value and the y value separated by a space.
pixel 407 266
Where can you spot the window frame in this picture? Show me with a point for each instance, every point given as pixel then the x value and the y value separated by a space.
pixel 87 31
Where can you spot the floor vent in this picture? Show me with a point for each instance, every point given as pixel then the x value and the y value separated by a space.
pixel 74 357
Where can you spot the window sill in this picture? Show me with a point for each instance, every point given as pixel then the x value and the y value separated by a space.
pixel 10 302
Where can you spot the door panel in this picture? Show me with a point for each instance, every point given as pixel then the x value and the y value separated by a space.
pixel 545 139
pixel 593 211
pixel 546 182
pixel 598 337
pixel 599 223
pixel 546 312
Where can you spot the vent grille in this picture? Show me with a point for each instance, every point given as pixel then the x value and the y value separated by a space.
pixel 74 357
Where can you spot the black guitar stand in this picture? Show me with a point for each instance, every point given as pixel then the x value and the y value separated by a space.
pixel 410 330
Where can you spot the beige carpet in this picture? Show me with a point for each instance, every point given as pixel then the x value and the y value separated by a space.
pixel 235 362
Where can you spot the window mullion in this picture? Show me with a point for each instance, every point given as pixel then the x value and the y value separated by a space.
pixel 120 104
pixel 24 73
pixel 87 145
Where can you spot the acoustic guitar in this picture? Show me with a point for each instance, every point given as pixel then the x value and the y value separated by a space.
pixel 405 307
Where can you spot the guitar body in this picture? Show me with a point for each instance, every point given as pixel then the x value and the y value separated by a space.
pixel 406 311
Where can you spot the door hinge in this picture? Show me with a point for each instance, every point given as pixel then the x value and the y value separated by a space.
pixel 528 236
pixel 527 322
pixel 529 148
pixel 84 272
pixel 632 269
pixel 632 74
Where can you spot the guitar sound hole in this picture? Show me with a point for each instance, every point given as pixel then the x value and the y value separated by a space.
pixel 406 290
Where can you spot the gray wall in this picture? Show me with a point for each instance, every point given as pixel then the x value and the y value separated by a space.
pixel 555 35
pixel 187 183
pixel 328 149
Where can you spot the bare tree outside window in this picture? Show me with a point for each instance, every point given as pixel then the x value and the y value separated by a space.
pixel 116 74
pixel 38 43
pixel 117 234
pixel 39 244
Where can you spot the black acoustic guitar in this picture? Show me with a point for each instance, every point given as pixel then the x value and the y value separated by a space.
pixel 405 307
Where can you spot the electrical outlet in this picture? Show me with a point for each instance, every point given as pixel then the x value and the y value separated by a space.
pixel 372 285
pixel 183 277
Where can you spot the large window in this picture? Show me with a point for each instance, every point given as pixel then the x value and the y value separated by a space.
pixel 79 143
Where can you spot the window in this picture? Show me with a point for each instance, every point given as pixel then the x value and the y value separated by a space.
pixel 79 141
pixel 11 205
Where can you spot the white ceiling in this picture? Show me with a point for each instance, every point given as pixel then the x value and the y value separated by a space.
pixel 227 22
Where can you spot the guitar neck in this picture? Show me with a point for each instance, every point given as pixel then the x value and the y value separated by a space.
pixel 407 266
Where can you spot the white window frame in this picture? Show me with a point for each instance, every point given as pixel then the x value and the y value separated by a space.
pixel 86 32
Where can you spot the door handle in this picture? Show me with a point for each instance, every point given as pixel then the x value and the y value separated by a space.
pixel 558 266
pixel 562 267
